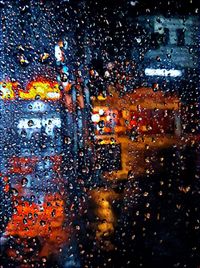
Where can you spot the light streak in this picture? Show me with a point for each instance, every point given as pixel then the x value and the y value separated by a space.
pixel 163 72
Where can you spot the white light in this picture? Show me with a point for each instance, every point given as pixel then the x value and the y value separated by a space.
pixel 95 118
pixel 34 124
pixel 58 53
pixel 162 72
pixel 50 123
pixel 53 95
pixel 101 111
pixel 107 74
pixel 5 91
pixel 108 118
pixel 133 3
pixel 25 123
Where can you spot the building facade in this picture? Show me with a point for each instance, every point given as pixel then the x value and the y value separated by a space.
pixel 167 56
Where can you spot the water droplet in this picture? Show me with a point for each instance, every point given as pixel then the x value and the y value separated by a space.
pixel 30 123
pixel 24 182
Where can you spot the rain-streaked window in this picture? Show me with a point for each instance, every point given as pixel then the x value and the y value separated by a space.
pixel 99 134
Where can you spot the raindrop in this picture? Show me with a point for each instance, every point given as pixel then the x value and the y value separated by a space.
pixel 37 97
pixel 30 123
pixel 42 223
pixel 14 192
pixel 24 182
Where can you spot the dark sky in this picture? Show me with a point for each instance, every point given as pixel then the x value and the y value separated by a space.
pixel 40 23
pixel 141 6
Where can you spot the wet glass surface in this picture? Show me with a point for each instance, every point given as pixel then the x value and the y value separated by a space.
pixel 99 134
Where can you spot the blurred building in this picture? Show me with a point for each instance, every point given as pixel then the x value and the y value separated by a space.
pixel 29 30
pixel 166 50
pixel 169 47
pixel 125 125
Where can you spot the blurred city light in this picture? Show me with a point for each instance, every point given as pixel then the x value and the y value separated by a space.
pixel 163 72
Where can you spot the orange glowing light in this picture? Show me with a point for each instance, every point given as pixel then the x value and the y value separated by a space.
pixel 43 90
pixel 30 220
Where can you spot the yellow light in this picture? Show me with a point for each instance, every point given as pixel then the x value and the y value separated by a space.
pixel 43 90
pixel 100 97
pixel 108 117
pixel 6 91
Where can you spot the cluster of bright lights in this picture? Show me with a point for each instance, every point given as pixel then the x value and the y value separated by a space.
pixel 43 89
pixel 96 117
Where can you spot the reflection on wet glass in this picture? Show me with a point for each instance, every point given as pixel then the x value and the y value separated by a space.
pixel 99 133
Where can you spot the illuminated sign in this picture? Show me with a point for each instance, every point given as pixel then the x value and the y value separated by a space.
pixel 35 124
pixel 42 90
pixel 163 72
pixel 38 106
